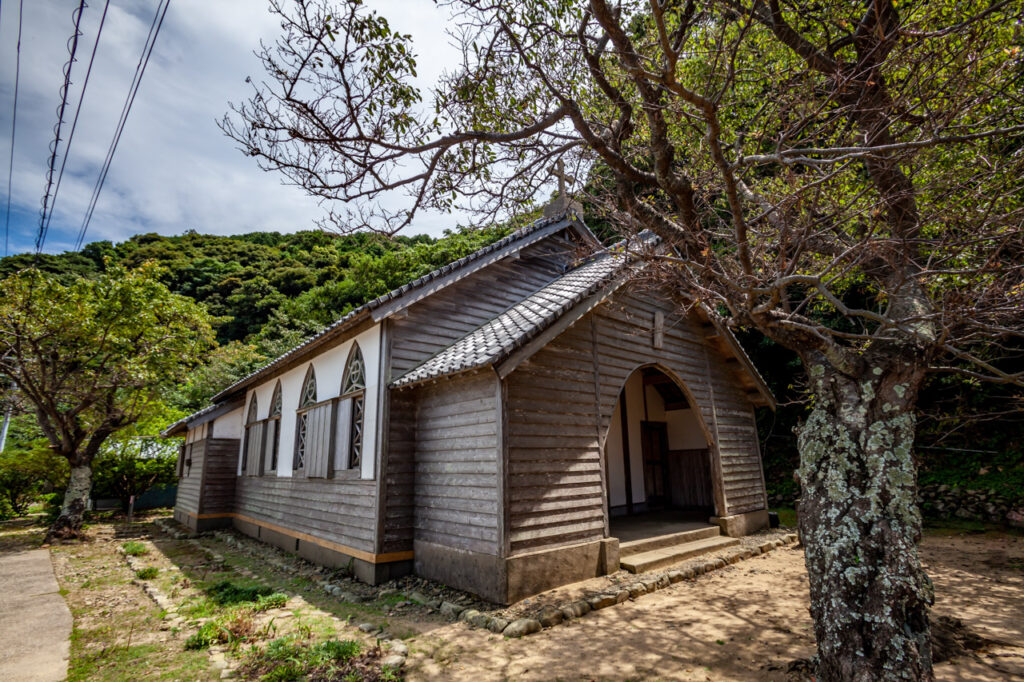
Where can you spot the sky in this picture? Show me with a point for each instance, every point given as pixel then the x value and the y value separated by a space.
pixel 174 170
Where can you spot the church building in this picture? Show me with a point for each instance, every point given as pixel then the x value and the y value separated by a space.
pixel 530 415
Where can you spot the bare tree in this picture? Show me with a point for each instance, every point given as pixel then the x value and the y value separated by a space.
pixel 846 178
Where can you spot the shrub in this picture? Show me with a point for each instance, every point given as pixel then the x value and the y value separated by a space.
pixel 134 548
pixel 147 573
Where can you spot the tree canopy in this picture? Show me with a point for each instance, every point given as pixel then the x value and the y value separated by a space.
pixel 90 358
pixel 848 179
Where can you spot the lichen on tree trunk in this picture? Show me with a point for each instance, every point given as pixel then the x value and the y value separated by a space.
pixel 860 525
pixel 69 524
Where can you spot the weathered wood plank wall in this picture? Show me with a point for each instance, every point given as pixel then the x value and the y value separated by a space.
pixel 189 485
pixel 456 464
pixel 438 321
pixel 341 510
pixel 400 473
pixel 556 494
pixel 219 475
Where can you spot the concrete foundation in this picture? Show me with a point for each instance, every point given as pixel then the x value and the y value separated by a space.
pixel 200 525
pixel 482 574
pixel 508 580
pixel 366 571
pixel 545 569
pixel 738 525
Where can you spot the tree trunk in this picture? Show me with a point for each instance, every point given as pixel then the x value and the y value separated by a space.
pixel 860 525
pixel 69 524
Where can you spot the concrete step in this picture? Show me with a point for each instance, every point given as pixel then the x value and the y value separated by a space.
pixel 660 541
pixel 666 556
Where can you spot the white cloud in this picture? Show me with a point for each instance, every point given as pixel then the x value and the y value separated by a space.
pixel 173 170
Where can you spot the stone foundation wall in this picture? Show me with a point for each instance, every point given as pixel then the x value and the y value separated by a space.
pixel 944 501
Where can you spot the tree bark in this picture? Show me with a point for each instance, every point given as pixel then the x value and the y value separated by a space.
pixel 69 524
pixel 860 525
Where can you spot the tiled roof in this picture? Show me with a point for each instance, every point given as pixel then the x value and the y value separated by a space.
pixel 363 311
pixel 497 339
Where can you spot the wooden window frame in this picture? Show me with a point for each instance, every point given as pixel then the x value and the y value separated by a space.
pixel 356 425
pixel 301 422
pixel 271 446
pixel 252 423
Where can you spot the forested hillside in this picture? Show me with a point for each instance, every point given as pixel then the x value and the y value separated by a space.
pixel 266 290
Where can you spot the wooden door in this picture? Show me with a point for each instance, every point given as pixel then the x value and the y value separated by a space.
pixel 654 441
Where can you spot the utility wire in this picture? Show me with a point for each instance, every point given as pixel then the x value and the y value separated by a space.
pixel 140 69
pixel 74 122
pixel 72 49
pixel 14 124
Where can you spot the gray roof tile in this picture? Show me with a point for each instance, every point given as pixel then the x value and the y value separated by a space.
pixel 497 339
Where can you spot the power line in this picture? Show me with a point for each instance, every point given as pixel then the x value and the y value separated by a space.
pixel 74 122
pixel 77 14
pixel 140 70
pixel 14 124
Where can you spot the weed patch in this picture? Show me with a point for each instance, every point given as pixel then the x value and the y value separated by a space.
pixel 147 573
pixel 296 658
pixel 225 593
pixel 134 548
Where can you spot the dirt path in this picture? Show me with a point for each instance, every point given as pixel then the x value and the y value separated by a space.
pixel 35 623
pixel 744 622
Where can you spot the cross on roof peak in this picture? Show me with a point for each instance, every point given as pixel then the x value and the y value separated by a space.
pixel 563 178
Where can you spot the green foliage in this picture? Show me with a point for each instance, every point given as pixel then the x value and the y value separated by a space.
pixel 89 356
pixel 226 592
pixel 290 658
pixel 27 472
pixel 133 463
pixel 134 548
pixel 209 633
pixel 147 573
pixel 270 601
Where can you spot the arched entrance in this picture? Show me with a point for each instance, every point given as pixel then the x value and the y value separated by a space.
pixel 656 458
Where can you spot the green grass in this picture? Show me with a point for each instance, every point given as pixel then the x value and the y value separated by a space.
pixel 226 592
pixel 787 517
pixel 134 548
pixel 294 658
pixel 147 573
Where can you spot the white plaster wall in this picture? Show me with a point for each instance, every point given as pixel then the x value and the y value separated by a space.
pixel 613 446
pixel 329 366
pixel 196 433
pixel 684 431
pixel 229 425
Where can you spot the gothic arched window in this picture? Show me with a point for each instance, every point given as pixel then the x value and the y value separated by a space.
pixel 272 440
pixel 351 415
pixel 253 438
pixel 306 400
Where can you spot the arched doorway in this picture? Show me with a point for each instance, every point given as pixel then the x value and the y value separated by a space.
pixel 656 457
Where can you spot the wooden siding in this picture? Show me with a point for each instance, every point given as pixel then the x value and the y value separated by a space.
pixel 557 428
pixel 220 468
pixel 400 473
pixel 341 510
pixel 438 321
pixel 191 481
pixel 455 466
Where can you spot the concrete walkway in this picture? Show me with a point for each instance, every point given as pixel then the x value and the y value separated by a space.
pixel 35 623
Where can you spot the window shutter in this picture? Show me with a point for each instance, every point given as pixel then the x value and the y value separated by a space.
pixel 267 460
pixel 318 441
pixel 254 444
pixel 343 434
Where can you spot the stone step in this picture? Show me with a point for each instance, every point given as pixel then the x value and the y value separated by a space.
pixel 660 541
pixel 666 556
